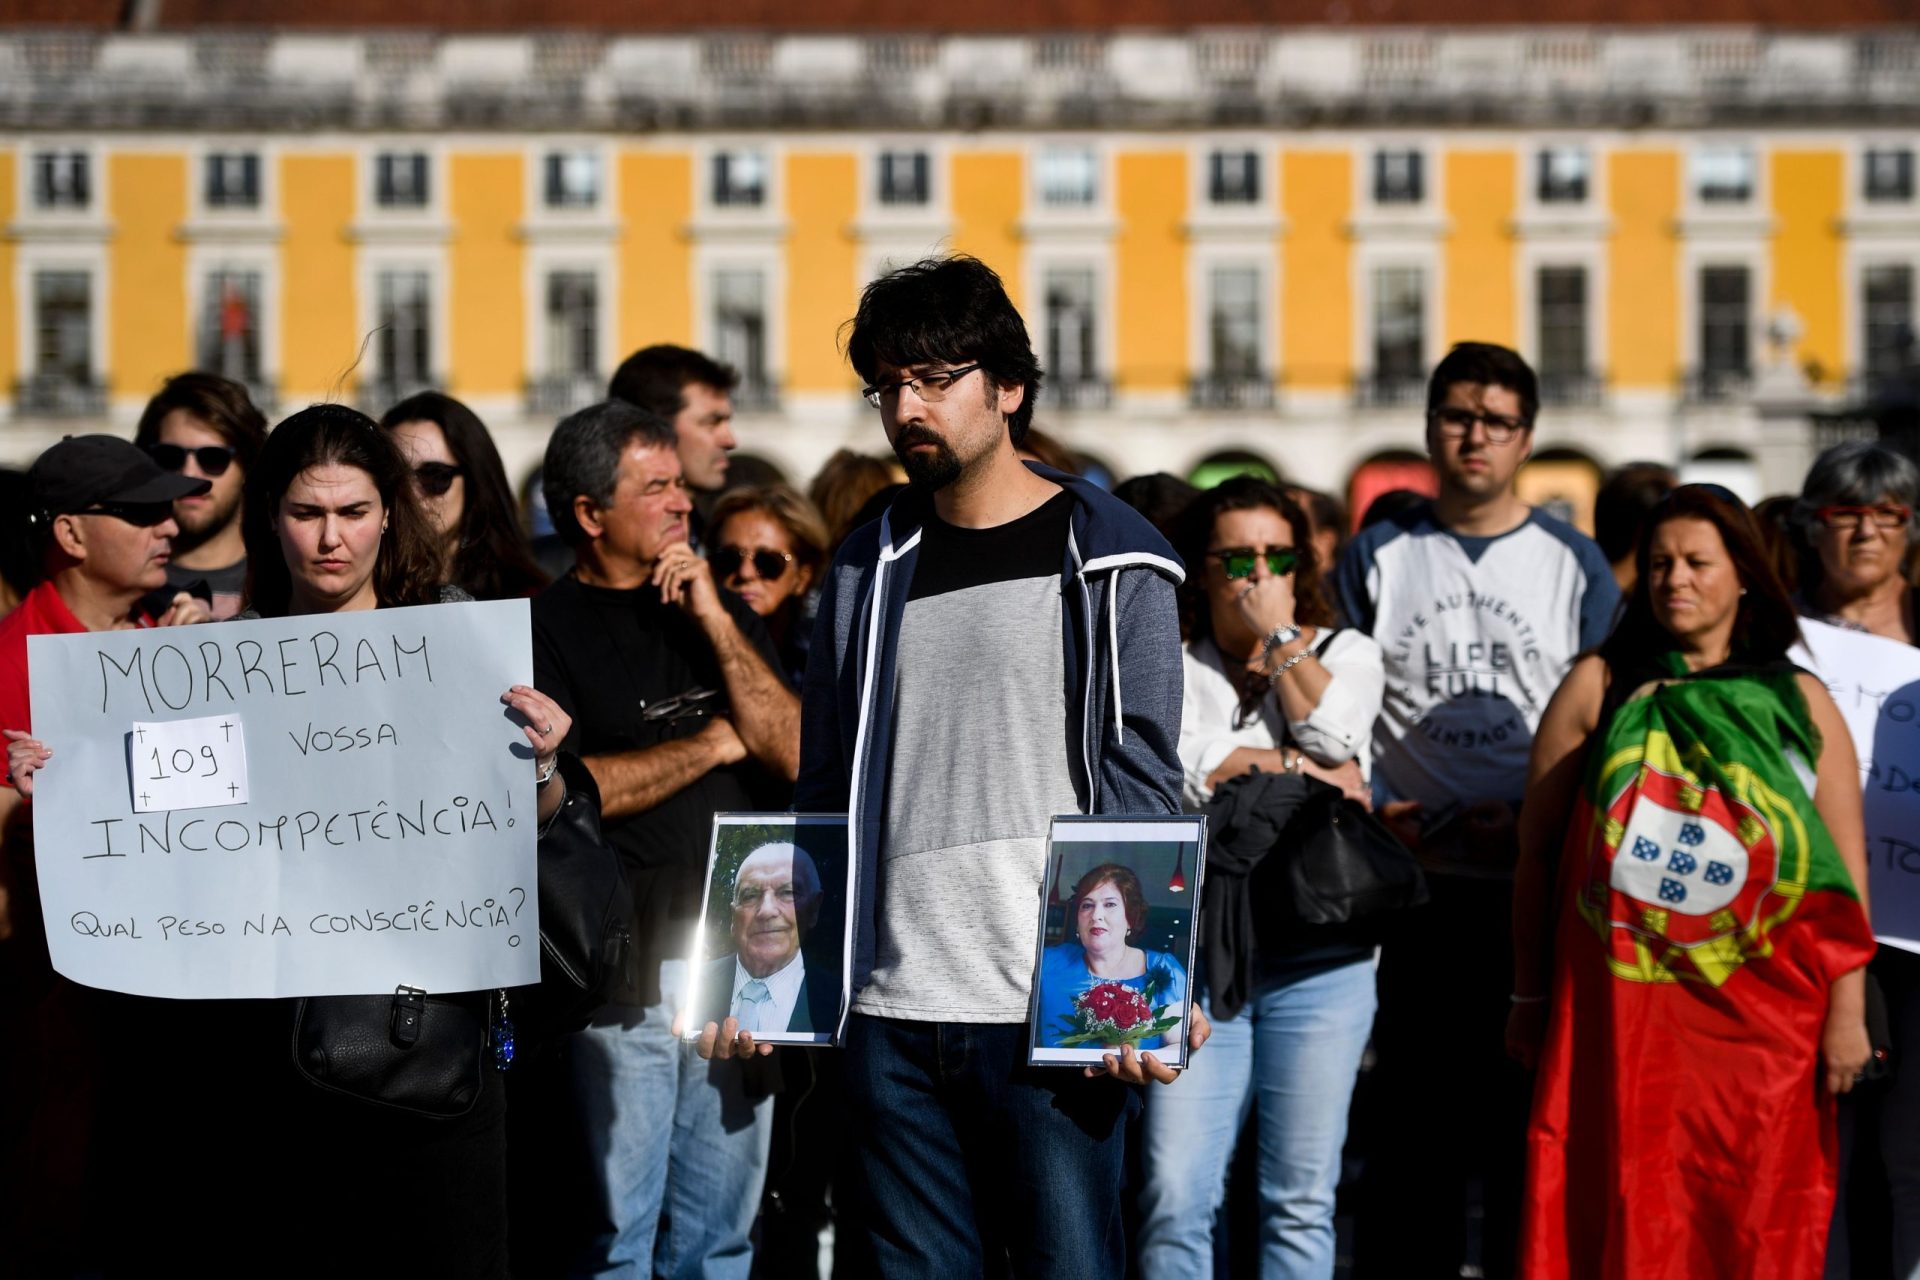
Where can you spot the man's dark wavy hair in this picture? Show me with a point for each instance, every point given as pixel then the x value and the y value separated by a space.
pixel 946 311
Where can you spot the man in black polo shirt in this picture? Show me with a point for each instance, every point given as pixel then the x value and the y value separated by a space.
pixel 679 712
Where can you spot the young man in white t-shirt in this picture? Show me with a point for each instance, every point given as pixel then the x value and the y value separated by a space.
pixel 1480 603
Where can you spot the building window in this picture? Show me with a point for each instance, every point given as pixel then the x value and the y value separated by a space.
pixel 1072 359
pixel 1888 308
pixel 1069 177
pixel 1563 175
pixel 1723 175
pixel 230 325
pixel 1889 174
pixel 1399 325
pixel 61 180
pixel 740 329
pixel 1560 307
pixel 739 179
pixel 233 180
pixel 400 180
pixel 1233 323
pixel 1233 177
pixel 573 180
pixel 573 323
pixel 905 178
pixel 1726 325
pixel 405 320
pixel 63 328
pixel 1399 177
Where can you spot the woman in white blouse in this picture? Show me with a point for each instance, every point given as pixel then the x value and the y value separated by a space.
pixel 1272 685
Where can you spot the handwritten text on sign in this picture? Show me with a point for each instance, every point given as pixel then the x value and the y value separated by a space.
pixel 1876 683
pixel 386 837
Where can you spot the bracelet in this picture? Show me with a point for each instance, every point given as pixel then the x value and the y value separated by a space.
pixel 1520 999
pixel 1289 664
pixel 1285 633
pixel 1291 763
pixel 545 775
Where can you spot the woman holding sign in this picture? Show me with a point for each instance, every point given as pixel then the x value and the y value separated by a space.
pixel 330 1130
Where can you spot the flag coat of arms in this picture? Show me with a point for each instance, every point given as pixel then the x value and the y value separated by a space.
pixel 1680 1124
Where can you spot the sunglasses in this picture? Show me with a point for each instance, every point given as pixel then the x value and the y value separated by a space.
pixel 1238 561
pixel 769 564
pixel 143 514
pixel 435 478
pixel 212 459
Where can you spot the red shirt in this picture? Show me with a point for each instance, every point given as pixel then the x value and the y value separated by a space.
pixel 42 613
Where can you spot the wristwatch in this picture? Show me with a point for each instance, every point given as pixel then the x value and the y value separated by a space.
pixel 1285 633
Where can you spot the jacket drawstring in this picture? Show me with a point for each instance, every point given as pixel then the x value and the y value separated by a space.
pixel 1113 650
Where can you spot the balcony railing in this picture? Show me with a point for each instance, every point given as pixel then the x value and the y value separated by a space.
pixel 1231 391
pixel 756 393
pixel 561 393
pixel 52 395
pixel 1074 394
pixel 1715 386
pixel 1389 390
pixel 1565 388
pixel 383 391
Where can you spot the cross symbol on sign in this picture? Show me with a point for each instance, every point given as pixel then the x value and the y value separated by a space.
pixel 140 734
pixel 233 788
pixel 143 797
pixel 226 730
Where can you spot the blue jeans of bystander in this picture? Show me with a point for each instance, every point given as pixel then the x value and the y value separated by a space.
pixel 1295 1049
pixel 668 1132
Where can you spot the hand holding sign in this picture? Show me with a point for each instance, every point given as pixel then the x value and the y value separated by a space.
pixel 25 755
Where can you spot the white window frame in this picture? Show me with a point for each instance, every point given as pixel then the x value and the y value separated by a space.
pixel 1100 208
pixel 1366 260
pixel 264 211
pixel 899 234
pixel 1901 251
pixel 32 219
pixel 542 260
pixel 1041 262
pixel 435 208
pixel 1696 256
pixel 768 210
pixel 1246 224
pixel 1430 199
pixel 1758 200
pixel 375 259
pixel 202 260
pixel 1534 211
pixel 1202 262
pixel 540 213
pixel 767 258
pixel 1592 258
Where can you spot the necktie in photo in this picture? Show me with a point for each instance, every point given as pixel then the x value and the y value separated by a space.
pixel 752 996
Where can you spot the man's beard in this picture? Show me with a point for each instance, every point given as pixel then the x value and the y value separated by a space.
pixel 935 470
pixel 217 518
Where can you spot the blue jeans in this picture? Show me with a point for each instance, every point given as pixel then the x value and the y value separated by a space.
pixel 964 1160
pixel 667 1131
pixel 1296 1048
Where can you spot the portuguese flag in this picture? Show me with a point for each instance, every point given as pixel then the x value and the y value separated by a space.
pixel 1680 1124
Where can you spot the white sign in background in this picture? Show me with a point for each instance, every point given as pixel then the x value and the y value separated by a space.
pixel 388 837
pixel 1876 682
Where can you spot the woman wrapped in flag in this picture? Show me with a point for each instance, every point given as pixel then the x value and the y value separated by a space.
pixel 1690 928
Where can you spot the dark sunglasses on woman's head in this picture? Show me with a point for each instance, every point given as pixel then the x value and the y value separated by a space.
pixel 213 459
pixel 435 478
pixel 1238 561
pixel 771 565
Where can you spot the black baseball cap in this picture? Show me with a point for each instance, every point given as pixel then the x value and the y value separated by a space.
pixel 86 471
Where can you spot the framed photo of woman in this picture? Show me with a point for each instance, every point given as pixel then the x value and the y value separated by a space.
pixel 772 944
pixel 1116 941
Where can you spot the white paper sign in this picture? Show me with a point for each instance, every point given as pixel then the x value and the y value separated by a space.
pixel 1876 682
pixel 187 764
pixel 388 837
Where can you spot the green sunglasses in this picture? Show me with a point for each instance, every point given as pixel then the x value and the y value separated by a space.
pixel 1238 561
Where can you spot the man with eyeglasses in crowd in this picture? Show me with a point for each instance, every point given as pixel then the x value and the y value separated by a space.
pixel 694 392
pixel 679 712
pixel 205 427
pixel 1000 647
pixel 102 516
pixel 1480 604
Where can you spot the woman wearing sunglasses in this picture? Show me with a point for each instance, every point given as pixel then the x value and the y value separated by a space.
pixel 1270 685
pixel 463 488
pixel 767 546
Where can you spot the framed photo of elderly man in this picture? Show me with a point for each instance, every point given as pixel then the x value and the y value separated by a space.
pixel 1117 939
pixel 772 943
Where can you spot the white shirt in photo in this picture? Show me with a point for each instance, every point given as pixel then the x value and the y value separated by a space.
pixel 783 986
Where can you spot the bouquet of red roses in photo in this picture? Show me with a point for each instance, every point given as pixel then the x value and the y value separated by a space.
pixel 1114 1014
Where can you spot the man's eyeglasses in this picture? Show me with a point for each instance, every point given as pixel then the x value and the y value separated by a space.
pixel 1457 424
pixel 769 564
pixel 143 514
pixel 1238 562
pixel 930 387
pixel 1849 518
pixel 683 706
pixel 212 459
pixel 435 478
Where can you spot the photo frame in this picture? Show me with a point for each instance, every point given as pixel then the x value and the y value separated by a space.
pixel 1121 898
pixel 775 937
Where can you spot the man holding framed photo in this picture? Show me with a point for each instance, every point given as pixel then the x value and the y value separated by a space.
pixel 1000 647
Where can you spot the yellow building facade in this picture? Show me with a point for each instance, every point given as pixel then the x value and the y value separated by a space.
pixel 1687 295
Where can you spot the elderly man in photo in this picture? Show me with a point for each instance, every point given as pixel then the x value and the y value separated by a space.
pixel 776 903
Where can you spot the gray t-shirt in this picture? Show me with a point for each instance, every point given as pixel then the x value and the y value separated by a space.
pixel 980 764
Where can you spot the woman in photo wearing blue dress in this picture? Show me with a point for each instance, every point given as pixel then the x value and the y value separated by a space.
pixel 1108 910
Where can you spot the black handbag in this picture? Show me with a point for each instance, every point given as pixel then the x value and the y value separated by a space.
pixel 588 957
pixel 1336 864
pixel 412 1051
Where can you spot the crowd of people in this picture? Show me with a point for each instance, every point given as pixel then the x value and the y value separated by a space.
pixel 1609 1044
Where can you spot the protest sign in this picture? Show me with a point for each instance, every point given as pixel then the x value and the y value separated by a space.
pixel 1876 683
pixel 386 838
